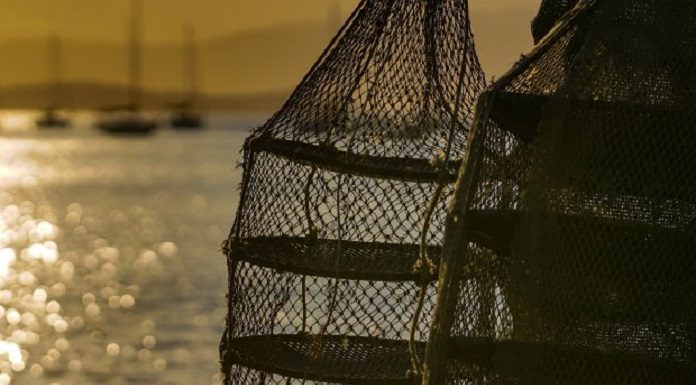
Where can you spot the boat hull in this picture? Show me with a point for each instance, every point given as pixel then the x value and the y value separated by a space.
pixel 51 120
pixel 188 121
pixel 128 127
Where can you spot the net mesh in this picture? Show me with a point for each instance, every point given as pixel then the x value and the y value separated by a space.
pixel 327 254
pixel 581 214
pixel 549 14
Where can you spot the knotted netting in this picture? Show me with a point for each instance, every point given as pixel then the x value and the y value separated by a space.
pixel 343 199
pixel 571 251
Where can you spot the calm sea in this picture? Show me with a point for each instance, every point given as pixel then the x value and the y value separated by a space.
pixel 110 270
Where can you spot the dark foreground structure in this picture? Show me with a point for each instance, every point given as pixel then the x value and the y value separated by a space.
pixel 332 257
pixel 569 252
pixel 581 179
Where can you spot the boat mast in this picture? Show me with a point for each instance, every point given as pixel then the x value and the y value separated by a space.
pixel 134 66
pixel 54 71
pixel 190 68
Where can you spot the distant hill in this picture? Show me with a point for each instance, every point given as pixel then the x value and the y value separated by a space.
pixel 266 61
pixel 102 95
pixel 253 69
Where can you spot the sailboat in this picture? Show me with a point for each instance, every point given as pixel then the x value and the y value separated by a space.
pixel 129 118
pixel 185 115
pixel 51 118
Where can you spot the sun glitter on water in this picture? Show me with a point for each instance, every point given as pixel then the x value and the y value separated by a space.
pixel 44 304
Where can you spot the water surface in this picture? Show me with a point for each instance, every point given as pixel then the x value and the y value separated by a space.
pixel 110 270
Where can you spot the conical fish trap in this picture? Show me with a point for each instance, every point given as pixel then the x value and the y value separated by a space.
pixel 574 254
pixel 549 14
pixel 324 253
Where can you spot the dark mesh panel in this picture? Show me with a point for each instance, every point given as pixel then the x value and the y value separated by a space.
pixel 328 259
pixel 549 14
pixel 578 259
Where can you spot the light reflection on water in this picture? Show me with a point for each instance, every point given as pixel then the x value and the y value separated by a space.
pixel 109 262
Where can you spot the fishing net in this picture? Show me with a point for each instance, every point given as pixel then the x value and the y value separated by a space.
pixel 573 239
pixel 549 14
pixel 341 218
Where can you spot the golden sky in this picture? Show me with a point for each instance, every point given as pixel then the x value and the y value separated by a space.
pixel 105 19
pixel 501 28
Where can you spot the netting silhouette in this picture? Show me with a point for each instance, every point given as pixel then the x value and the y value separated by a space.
pixel 549 14
pixel 571 250
pixel 343 200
